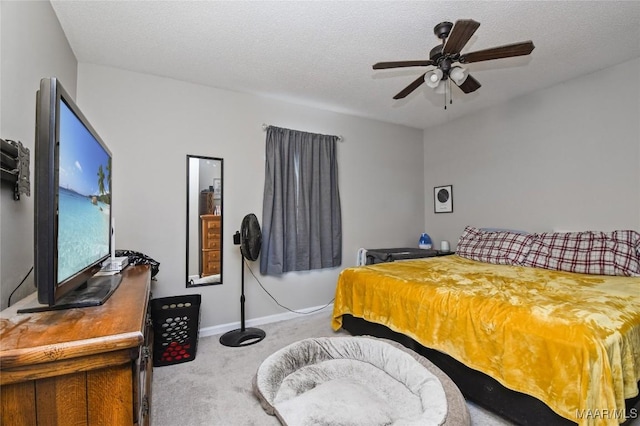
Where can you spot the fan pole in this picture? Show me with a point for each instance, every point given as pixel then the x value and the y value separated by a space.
pixel 243 336
pixel 242 298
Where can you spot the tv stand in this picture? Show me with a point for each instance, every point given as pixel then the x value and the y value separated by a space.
pixel 94 292
pixel 89 366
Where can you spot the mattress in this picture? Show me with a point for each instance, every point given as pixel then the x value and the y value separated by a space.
pixel 570 340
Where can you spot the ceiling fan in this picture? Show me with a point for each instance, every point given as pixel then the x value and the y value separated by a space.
pixel 445 56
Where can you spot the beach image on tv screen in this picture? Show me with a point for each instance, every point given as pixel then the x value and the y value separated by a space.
pixel 84 198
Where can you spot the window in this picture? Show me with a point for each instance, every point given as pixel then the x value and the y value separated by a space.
pixel 301 219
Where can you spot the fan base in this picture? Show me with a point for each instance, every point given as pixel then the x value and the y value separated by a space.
pixel 239 337
pixel 443 29
pixel 436 53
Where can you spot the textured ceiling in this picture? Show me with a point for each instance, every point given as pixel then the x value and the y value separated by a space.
pixel 320 53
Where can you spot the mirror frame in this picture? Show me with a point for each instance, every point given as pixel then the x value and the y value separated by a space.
pixel 189 282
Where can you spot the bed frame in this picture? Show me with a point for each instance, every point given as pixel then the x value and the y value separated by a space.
pixel 476 386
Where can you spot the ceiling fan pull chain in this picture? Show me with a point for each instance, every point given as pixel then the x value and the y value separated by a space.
pixel 447 88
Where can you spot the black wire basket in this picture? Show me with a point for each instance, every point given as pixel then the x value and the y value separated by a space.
pixel 176 323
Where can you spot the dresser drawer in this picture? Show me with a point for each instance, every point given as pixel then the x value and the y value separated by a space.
pixel 211 255
pixel 213 224
pixel 211 242
pixel 210 262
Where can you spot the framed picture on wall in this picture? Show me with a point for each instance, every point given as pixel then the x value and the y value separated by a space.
pixel 443 199
pixel 217 188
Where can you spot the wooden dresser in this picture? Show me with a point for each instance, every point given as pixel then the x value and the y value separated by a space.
pixel 210 244
pixel 83 366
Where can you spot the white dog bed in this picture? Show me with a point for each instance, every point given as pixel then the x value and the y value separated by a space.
pixel 356 381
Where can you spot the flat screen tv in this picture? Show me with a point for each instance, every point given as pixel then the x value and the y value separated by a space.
pixel 73 205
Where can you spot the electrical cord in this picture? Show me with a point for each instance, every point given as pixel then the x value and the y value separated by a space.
pixel 278 303
pixel 18 286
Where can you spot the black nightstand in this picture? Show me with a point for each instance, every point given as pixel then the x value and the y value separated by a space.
pixel 383 255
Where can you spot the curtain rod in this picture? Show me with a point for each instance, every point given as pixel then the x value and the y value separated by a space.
pixel 266 126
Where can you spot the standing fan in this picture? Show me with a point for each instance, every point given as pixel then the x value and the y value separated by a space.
pixel 250 240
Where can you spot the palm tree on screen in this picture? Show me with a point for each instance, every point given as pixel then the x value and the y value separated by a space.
pixel 101 181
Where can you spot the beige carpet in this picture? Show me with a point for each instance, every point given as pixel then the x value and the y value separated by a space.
pixel 215 388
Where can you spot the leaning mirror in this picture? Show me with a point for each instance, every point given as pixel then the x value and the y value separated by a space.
pixel 204 220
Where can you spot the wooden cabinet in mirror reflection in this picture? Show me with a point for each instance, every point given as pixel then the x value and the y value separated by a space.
pixel 211 244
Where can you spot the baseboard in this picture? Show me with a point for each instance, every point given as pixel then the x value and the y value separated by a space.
pixel 223 328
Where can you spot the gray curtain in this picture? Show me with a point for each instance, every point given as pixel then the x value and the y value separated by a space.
pixel 301 219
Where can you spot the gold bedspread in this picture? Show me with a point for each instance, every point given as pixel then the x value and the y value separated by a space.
pixel 571 340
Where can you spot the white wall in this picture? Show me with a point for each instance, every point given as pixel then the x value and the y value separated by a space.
pixel 564 158
pixel 33 46
pixel 152 123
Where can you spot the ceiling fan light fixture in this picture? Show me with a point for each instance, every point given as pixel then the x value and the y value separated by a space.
pixel 446 56
pixel 432 78
pixel 458 75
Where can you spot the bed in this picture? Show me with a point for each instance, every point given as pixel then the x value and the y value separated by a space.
pixel 521 323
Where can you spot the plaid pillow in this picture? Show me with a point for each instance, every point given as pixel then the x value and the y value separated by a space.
pixel 502 247
pixel 596 253
pixel 629 237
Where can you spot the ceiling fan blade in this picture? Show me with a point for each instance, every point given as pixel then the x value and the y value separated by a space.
pixel 506 51
pixel 469 85
pixel 410 88
pixel 401 64
pixel 460 35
